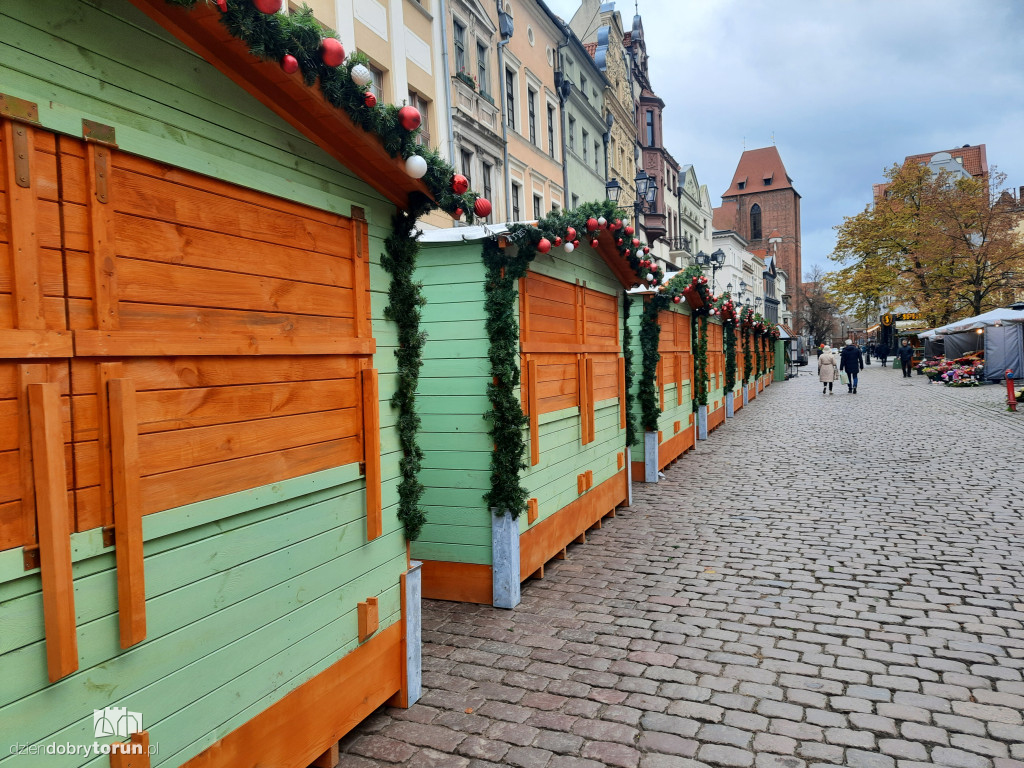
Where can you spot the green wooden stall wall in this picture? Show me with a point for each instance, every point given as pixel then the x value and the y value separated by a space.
pixel 452 398
pixel 248 595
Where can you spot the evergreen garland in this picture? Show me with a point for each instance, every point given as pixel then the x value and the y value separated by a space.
pixel 746 318
pixel 727 312
pixel 650 337
pixel 404 302
pixel 627 355
pixel 700 362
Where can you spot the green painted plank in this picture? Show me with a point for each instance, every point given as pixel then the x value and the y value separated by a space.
pixel 452 497
pixel 466 535
pixel 445 369
pixel 456 478
pixel 466 311
pixel 455 405
pixel 451 553
pixel 478 517
pixel 454 424
pixel 442 387
pixel 437 295
pixel 458 460
pixel 475 442
pixel 454 350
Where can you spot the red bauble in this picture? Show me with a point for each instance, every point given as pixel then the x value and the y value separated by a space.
pixel 575 243
pixel 619 241
pixel 593 243
pixel 289 64
pixel 268 6
pixel 677 299
pixel 457 214
pixel 618 223
pixel 370 100
pixel 570 233
pixel 410 118
pixel 558 241
pixel 592 224
pixel 460 184
pixel 482 207
pixel 646 249
pixel 223 5
pixel 544 246
pixel 332 52
pixel 629 230
pixel 636 240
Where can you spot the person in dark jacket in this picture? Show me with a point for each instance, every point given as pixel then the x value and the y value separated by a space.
pixel 851 362
pixel 882 353
pixel 906 353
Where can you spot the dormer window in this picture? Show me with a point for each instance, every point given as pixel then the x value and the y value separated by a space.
pixel 741 184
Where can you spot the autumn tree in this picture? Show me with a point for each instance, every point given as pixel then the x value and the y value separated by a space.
pixel 944 245
pixel 816 311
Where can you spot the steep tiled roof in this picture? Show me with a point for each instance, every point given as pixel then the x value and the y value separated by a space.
pixel 756 165
pixel 724 217
pixel 591 48
pixel 974 158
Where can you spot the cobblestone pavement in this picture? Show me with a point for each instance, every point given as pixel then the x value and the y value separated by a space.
pixel 827 581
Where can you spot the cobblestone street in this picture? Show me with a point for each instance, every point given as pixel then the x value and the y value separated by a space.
pixel 827 581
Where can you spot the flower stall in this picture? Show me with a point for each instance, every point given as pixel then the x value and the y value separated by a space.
pixel 524 395
pixel 207 361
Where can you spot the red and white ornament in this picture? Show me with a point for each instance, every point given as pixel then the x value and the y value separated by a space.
pixel 332 52
pixel 370 99
pixel 558 241
pixel 482 207
pixel 416 166
pixel 460 184
pixel 457 214
pixel 222 5
pixel 360 75
pixel 289 64
pixel 636 240
pixel 409 118
pixel 592 224
pixel 602 222
pixel 618 241
pixel 544 246
pixel 629 230
pixel 570 233
pixel 593 243
pixel 268 6
pixel 569 247
pixel 649 277
pixel 677 299
pixel 646 249
pixel 576 242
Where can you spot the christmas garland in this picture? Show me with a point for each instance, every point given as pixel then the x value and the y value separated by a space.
pixel 700 362
pixel 727 311
pixel 627 355
pixel 746 320
pixel 758 326
pixel 404 302
pixel 301 43
pixel 650 338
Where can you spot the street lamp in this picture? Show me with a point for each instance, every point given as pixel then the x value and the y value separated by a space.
pixel 728 288
pixel 612 190
pixel 716 260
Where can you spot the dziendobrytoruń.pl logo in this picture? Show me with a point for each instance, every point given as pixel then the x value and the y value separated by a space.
pixel 109 722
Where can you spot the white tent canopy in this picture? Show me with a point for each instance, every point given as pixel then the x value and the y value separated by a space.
pixel 989 319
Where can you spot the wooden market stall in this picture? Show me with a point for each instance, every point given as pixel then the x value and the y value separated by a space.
pixel 716 374
pixel 198 463
pixel 568 320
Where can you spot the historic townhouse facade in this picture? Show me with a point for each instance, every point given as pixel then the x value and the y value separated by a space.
pixel 599 26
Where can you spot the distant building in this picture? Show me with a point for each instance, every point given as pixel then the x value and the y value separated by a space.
pixel 963 161
pixel 760 203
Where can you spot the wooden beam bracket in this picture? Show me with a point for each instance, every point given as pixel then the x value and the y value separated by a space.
pixel 109 536
pixel 30 556
pixel 22 153
pixel 99 133
pixel 21 110
pixel 102 160
pixel 368 614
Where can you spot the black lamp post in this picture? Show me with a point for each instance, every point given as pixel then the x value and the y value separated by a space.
pixel 716 261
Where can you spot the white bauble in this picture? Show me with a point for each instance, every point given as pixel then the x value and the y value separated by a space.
pixel 360 75
pixel 650 276
pixel 569 247
pixel 416 166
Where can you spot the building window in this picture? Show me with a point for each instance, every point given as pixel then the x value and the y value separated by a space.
pixel 467 165
pixel 460 47
pixel 531 106
pixel 538 206
pixel 510 97
pixel 572 133
pixel 740 184
pixel 585 141
pixel 597 156
pixel 755 222
pixel 376 82
pixel 515 202
pixel 481 68
pixel 583 85
pixel 415 100
pixel 575 201
pixel 488 170
pixel 650 127
pixel 551 130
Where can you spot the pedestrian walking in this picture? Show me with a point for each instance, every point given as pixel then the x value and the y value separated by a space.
pixel 851 363
pixel 883 353
pixel 828 371
pixel 906 353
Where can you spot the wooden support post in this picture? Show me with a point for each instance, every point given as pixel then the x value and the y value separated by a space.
pixel 54 522
pixel 591 427
pixel 22 225
pixel 622 393
pixel 531 511
pixel 371 452
pixel 131 754
pixel 101 236
pixel 534 411
pixel 679 377
pixel 359 273
pixel 368 614
pixel 105 373
pixel 581 387
pixel 124 462
pixel 328 759
pixel 27 374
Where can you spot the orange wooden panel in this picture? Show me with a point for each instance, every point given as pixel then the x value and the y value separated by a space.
pixel 531 511
pixel 622 392
pixel 589 363
pixel 547 538
pixel 679 377
pixel 672 448
pixel 581 482
pixel 124 452
pixel 20 226
pixel 581 383
pixel 369 618
pixel 267 341
pixel 589 474
pixel 620 459
pixel 660 376
pixel 533 407
pixel 101 225
pixel 458 582
pixel 360 275
pixel 297 728
pixel 53 519
pixel 371 451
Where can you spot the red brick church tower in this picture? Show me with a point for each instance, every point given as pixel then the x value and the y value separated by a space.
pixel 761 199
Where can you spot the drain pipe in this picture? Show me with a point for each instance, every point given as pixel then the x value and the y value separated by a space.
pixel 564 89
pixel 504 104
pixel 442 9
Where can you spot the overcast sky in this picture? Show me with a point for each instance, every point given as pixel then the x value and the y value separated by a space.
pixel 847 88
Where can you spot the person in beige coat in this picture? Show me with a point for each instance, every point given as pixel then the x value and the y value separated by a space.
pixel 828 371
